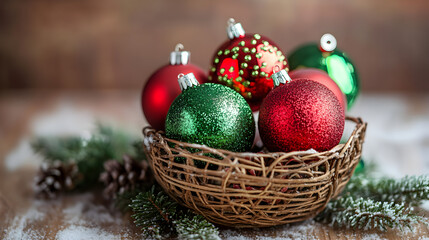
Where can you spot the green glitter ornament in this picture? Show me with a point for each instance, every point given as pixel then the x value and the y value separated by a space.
pixel 326 57
pixel 360 168
pixel 210 114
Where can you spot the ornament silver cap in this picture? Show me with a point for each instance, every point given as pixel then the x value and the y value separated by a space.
pixel 234 30
pixel 187 81
pixel 328 43
pixel 179 57
pixel 280 77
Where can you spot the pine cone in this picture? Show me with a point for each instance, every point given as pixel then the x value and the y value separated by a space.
pixel 55 178
pixel 121 177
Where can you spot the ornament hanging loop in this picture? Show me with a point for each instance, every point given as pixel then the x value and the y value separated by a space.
pixel 179 47
pixel 280 77
pixel 178 56
pixel 187 81
pixel 328 43
pixel 234 30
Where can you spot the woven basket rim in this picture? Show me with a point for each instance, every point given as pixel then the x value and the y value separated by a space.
pixel 357 120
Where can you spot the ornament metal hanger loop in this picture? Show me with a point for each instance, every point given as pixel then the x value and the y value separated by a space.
pixel 178 56
pixel 187 81
pixel 280 76
pixel 179 47
pixel 328 42
pixel 231 21
pixel 234 29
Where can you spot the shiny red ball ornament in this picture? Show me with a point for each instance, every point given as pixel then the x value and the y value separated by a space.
pixel 301 115
pixel 161 88
pixel 322 77
pixel 245 63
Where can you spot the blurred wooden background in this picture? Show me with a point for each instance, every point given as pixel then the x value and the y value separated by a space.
pixel 118 44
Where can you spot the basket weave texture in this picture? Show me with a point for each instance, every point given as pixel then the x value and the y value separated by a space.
pixel 252 189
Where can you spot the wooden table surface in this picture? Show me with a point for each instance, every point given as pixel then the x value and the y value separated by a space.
pixel 397 128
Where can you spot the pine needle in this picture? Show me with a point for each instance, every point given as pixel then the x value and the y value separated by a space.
pixel 366 214
pixel 196 227
pixel 159 216
pixel 410 189
pixel 88 154
pixel 154 212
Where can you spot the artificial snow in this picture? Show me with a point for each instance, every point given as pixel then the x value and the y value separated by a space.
pixel 84 212
pixel 81 232
pixel 17 229
pixel 64 120
pixel 147 141
pixel 302 231
pixel 22 156
pixel 80 220
pixel 372 236
pixel 311 151
pixel 397 137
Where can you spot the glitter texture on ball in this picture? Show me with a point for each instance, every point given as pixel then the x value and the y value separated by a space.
pixel 301 115
pixel 213 115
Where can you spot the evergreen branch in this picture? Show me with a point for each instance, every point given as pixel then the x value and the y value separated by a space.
pixel 154 212
pixel 158 216
pixel 368 214
pixel 88 154
pixel 161 212
pixel 58 149
pixel 196 227
pixel 410 189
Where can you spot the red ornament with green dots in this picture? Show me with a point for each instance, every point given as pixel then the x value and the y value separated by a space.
pixel 245 63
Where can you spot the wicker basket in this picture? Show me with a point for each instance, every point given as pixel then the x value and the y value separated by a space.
pixel 252 189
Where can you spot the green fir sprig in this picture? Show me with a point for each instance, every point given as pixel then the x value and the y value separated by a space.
pixel 410 189
pixel 159 216
pixel 154 212
pixel 377 203
pixel 89 154
pixel 195 227
pixel 366 214
pixel 58 148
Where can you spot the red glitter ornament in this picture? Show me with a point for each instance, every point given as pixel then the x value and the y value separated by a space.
pixel 245 63
pixel 322 77
pixel 161 88
pixel 301 115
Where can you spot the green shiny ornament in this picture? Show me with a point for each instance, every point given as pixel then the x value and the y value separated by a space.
pixel 326 57
pixel 210 114
pixel 360 168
